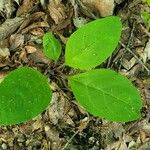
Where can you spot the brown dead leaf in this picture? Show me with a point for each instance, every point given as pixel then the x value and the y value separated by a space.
pixel 104 7
pixel 4 63
pixel 59 110
pixel 37 32
pixel 16 40
pixel 25 7
pixel 2 75
pixel 128 64
pixel 39 57
pixel 83 124
pixel 30 49
pixel 2 5
pixel 31 19
pixel 57 11
pixel 142 136
pixel 9 26
pixel 119 145
pixel 55 141
pixel 23 56
pixel 37 125
pixel 4 52
pixel 9 8
pixel 35 25
pixel 146 53
pixel 64 24
pixel 4 43
pixel 6 7
pixel 111 132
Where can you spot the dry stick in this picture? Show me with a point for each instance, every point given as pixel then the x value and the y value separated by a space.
pixel 66 145
pixel 128 44
pixel 75 7
pixel 82 126
pixel 136 57
pixel 85 8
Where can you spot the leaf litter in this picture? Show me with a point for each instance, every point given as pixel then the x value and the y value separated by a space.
pixel 65 125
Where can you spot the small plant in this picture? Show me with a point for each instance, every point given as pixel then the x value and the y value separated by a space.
pixel 102 92
pixel 52 47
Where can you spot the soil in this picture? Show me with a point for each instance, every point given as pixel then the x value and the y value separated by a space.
pixel 64 125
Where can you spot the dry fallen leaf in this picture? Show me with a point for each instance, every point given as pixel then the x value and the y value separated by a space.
pixel 57 11
pixel 16 40
pixel 146 54
pixel 1 5
pixel 2 75
pixel 37 125
pixel 35 17
pixel 9 26
pixel 104 7
pixel 37 32
pixel 25 7
pixel 60 110
pixel 55 141
pixel 30 49
pixel 34 26
pixel 39 57
pixel 142 136
pixel 112 131
pixel 4 52
pixel 128 64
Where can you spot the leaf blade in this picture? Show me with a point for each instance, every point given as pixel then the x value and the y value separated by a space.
pixel 93 43
pixel 52 47
pixel 102 95
pixel 24 94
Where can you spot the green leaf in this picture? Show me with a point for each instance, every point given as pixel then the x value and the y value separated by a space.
pixel 24 94
pixel 146 16
pixel 148 2
pixel 107 94
pixel 93 43
pixel 52 47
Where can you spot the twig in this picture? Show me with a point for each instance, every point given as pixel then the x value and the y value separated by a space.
pixel 83 125
pixel 75 7
pixel 66 145
pixel 85 8
pixel 136 57
pixel 128 44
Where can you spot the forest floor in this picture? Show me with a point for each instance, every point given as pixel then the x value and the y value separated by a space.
pixel 64 125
